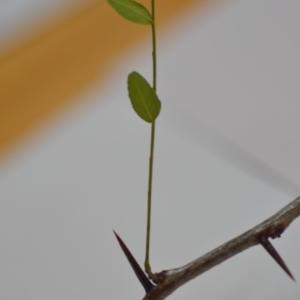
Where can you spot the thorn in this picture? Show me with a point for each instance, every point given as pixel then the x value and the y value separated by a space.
pixel 272 251
pixel 144 280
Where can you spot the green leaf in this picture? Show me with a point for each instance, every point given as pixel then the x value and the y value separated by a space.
pixel 143 98
pixel 132 11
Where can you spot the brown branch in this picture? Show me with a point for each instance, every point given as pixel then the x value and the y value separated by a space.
pixel 170 280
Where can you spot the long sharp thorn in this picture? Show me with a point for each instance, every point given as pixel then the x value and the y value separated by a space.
pixel 272 251
pixel 144 280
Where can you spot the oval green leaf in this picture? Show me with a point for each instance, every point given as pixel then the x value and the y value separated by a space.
pixel 143 98
pixel 132 11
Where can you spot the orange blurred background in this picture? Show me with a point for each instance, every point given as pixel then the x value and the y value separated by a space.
pixel 41 75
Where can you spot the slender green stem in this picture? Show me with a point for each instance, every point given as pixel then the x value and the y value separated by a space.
pixel 147 257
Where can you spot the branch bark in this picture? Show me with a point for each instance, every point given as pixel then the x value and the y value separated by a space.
pixel 170 280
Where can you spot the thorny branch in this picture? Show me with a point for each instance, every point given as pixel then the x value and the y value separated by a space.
pixel 170 280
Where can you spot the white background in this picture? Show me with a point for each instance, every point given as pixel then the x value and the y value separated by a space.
pixel 227 157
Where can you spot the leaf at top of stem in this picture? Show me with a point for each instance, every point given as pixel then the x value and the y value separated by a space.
pixel 132 11
pixel 143 98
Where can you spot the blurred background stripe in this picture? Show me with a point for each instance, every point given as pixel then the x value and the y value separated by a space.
pixel 42 74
